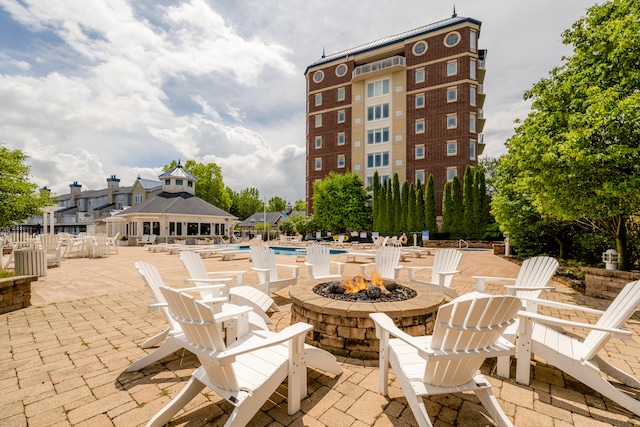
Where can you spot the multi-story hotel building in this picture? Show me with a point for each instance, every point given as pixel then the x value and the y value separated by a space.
pixel 409 104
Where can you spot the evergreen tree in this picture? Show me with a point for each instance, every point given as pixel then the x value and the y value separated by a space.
pixel 411 206
pixel 375 205
pixel 430 222
pixel 458 209
pixel 396 204
pixel 481 202
pixel 405 208
pixel 469 220
pixel 419 214
pixel 447 209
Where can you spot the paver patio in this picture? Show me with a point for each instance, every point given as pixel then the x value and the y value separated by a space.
pixel 63 360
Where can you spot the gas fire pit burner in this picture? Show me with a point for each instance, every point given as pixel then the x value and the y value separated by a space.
pixel 389 292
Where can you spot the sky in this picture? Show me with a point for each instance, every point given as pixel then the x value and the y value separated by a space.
pixel 95 88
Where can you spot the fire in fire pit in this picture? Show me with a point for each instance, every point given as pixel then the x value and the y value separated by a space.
pixel 359 289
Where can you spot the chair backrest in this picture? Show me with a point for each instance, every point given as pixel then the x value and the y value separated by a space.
pixel 264 257
pixel 153 282
pixel 387 258
pixel 469 323
pixel 49 241
pixel 195 267
pixel 319 259
pixel 152 238
pixel 199 326
pixel 445 260
pixel 535 272
pixel 618 312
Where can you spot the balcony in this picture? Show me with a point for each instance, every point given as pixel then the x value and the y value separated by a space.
pixel 386 65
pixel 481 121
pixel 482 65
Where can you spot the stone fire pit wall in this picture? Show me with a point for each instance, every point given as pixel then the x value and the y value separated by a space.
pixel 344 328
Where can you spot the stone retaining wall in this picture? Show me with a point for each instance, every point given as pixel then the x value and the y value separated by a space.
pixel 602 283
pixel 15 293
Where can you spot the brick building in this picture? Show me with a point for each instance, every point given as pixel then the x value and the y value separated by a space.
pixel 409 104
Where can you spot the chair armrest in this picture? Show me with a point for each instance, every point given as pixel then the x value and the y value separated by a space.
pixel 512 289
pixel 155 306
pixel 561 305
pixel 340 266
pixel 203 288
pixel 231 312
pixel 285 335
pixel 295 269
pixel 363 268
pixel 553 321
pixel 412 271
pixel 384 324
pixel 221 280
pixel 481 279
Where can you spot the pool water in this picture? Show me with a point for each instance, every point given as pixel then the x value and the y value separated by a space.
pixel 285 250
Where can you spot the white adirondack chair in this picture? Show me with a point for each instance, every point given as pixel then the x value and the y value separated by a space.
pixel 467 330
pixel 540 335
pixel 101 245
pixel 153 282
pixel 239 294
pixel 533 278
pixel 387 262
pixel 264 263
pixel 445 265
pixel 113 243
pixel 52 245
pixel 245 373
pixel 319 263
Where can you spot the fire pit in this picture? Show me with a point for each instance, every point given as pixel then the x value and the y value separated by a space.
pixel 341 322
pixel 359 289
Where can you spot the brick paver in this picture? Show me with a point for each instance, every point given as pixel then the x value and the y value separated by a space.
pixel 63 360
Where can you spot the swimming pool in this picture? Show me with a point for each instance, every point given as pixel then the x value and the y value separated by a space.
pixel 288 250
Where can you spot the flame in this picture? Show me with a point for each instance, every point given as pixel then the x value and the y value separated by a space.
pixel 376 279
pixel 354 286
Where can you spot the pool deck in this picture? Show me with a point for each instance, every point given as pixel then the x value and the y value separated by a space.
pixel 63 360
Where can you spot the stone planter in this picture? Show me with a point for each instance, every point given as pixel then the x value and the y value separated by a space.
pixel 602 283
pixel 15 293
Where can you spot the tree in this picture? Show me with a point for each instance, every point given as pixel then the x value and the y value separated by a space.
pixel 470 216
pixel 246 203
pixel 19 198
pixel 376 205
pixel 340 203
pixel 578 149
pixel 407 208
pixel 396 207
pixel 276 204
pixel 430 222
pixel 410 206
pixel 447 209
pixel 210 186
pixel 458 209
pixel 419 214
pixel 300 205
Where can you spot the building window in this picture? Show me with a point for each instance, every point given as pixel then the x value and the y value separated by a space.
pixel 341 116
pixel 472 150
pixel 452 121
pixel 472 41
pixel 452 68
pixel 452 39
pixel 420 75
pixel 319 120
pixel 341 70
pixel 451 173
pixel 378 88
pixel 341 161
pixel 452 148
pixel 472 68
pixel 452 94
pixel 318 99
pixel 138 197
pixel 341 94
pixel 167 182
pixel 419 48
pixel 318 142
pixel 420 126
pixel 189 184
pixel 179 182
pixel 378 112
pixel 341 138
pixel 378 160
pixel 377 136
pixel 419 101
pixel 318 165
pixel 318 76
pixel 472 122
pixel 419 152
pixel 472 95
pixel 419 177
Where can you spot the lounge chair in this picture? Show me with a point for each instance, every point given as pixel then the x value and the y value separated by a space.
pixel 387 262
pixel 319 263
pixel 445 265
pixel 264 263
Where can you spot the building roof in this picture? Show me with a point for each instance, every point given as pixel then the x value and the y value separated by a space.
pixel 385 41
pixel 149 184
pixel 176 204
pixel 258 217
pixel 179 172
